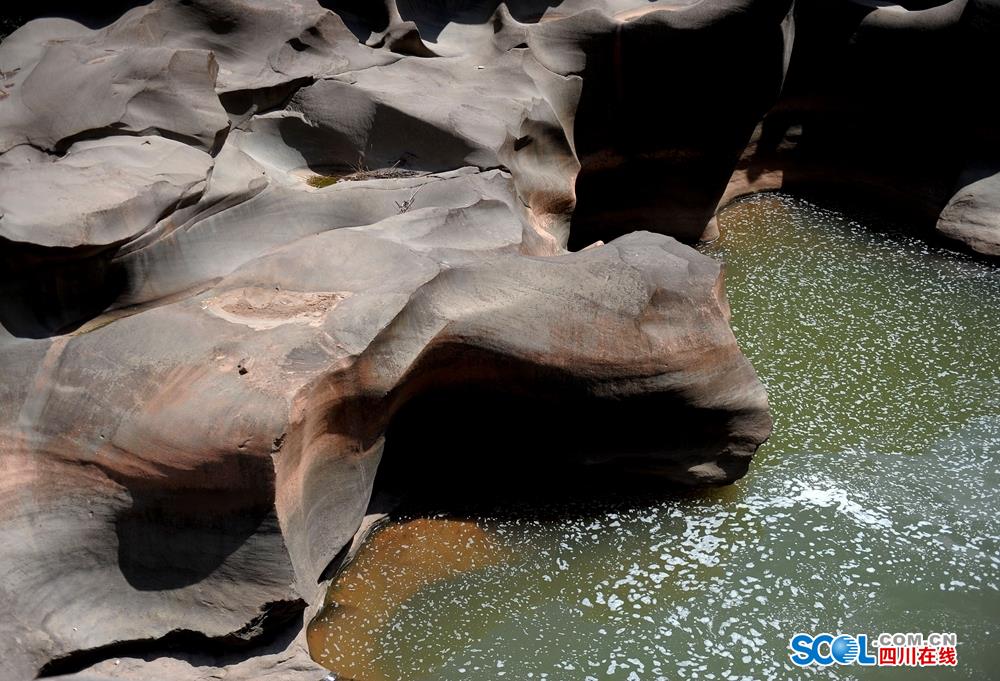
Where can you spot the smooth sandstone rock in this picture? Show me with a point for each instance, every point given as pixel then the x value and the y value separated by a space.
pixel 256 45
pixel 101 192
pixel 255 421
pixel 972 216
pixel 73 90
pixel 205 355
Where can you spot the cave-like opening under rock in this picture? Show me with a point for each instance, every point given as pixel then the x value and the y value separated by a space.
pixel 482 448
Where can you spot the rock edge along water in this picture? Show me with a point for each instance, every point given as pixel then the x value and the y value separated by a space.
pixel 203 357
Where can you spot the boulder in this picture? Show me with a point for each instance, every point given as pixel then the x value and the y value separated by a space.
pixel 68 89
pixel 972 216
pixel 101 192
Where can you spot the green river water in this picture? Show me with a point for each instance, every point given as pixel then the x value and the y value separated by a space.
pixel 872 508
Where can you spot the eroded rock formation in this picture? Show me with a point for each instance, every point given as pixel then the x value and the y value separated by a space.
pixel 238 238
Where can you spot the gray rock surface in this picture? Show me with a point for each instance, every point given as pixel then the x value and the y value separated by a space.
pixel 972 216
pixel 257 45
pixel 73 90
pixel 100 193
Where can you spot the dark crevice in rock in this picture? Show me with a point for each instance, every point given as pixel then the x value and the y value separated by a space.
pixel 541 445
pixel 485 169
pixel 169 543
pixel 52 291
pixel 362 17
pixel 242 105
pixel 526 458
pixel 47 152
pixel 336 565
pixel 178 534
pixel 277 624
pixel 116 131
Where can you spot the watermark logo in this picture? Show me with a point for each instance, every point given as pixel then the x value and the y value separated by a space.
pixel 890 650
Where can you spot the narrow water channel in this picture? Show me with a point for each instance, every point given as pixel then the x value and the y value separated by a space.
pixel 873 507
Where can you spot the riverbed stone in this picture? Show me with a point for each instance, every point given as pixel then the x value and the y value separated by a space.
pixel 972 215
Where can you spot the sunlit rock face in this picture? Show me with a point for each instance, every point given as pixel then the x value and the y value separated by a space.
pixel 972 215
pixel 238 238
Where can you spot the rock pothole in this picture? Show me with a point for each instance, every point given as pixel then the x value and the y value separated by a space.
pixel 266 308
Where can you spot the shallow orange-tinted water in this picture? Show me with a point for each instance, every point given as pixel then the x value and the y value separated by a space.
pixel 397 562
